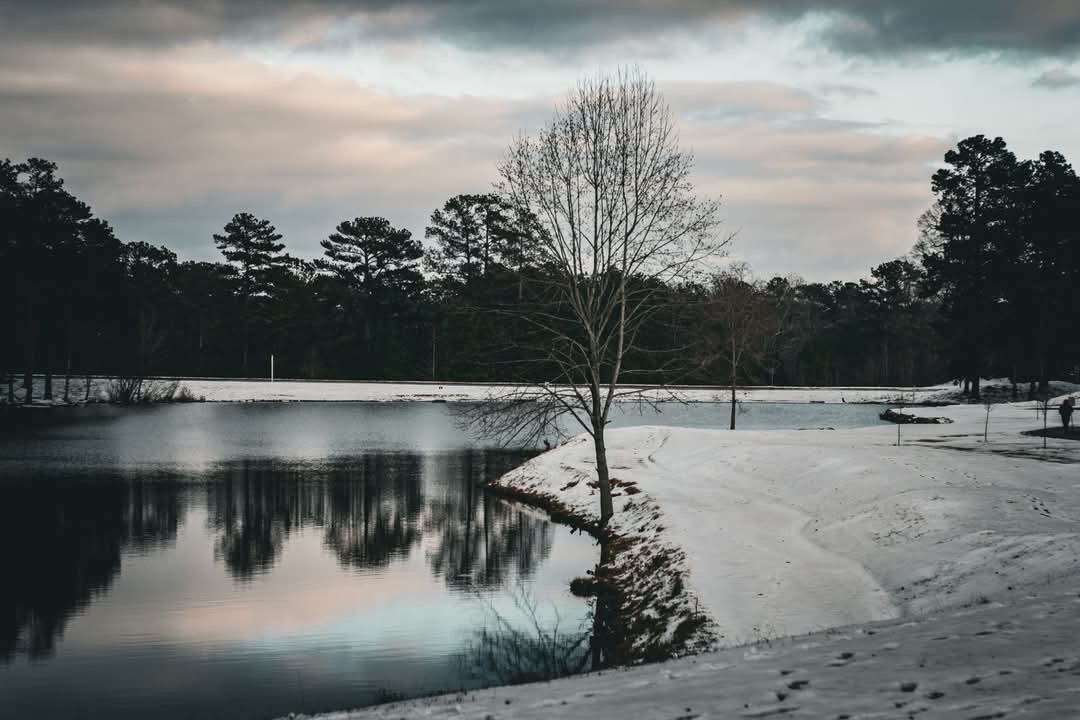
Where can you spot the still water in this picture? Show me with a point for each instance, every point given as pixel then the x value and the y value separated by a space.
pixel 250 560
pixel 253 560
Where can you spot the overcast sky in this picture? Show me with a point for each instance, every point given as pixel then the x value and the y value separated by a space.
pixel 817 122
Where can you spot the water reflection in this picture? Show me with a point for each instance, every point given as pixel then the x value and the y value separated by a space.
pixel 479 540
pixel 253 507
pixel 63 541
pixel 374 513
pixel 61 546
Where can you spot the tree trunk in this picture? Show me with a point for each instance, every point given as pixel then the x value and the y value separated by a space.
pixel 975 387
pixel 28 351
pixel 732 395
pixel 28 382
pixel 602 476
pixel 67 359
pixel 89 382
pixel 1044 380
pixel 885 361
pixel 11 388
pixel 47 357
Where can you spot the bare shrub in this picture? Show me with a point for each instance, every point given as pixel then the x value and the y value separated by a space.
pixel 133 390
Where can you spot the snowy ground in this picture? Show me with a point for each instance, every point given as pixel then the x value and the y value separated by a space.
pixel 225 390
pixel 966 550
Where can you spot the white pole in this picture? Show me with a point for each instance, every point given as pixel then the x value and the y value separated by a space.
pixel 271 367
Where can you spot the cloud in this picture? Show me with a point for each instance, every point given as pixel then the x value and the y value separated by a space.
pixel 847 92
pixel 139 132
pixel 168 144
pixel 705 101
pixel 861 27
pixel 1057 79
pixel 822 198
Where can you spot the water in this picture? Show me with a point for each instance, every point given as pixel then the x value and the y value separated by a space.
pixel 249 560
pixel 754 415
pixel 252 560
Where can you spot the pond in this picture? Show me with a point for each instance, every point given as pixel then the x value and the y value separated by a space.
pixel 755 415
pixel 251 560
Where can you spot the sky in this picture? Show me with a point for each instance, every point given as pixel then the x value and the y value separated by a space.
pixel 817 123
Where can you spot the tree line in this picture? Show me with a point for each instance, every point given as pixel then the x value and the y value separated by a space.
pixel 991 288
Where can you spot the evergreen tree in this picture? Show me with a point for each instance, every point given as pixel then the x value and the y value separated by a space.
pixel 378 265
pixel 43 229
pixel 253 250
pixel 977 196
pixel 373 257
pixel 1047 271
pixel 476 235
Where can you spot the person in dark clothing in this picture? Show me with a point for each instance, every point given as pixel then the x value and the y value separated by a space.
pixel 1066 411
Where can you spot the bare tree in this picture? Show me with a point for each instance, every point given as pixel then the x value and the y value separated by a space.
pixel 743 320
pixel 617 221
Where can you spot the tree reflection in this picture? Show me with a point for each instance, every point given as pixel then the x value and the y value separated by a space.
pixel 254 507
pixel 62 540
pixel 523 646
pixel 61 545
pixel 479 541
pixel 369 509
pixel 374 510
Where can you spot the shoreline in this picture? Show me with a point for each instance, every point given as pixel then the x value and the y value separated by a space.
pixel 636 607
pixel 285 390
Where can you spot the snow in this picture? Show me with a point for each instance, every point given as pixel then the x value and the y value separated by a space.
pixel 301 390
pixel 262 390
pixel 966 550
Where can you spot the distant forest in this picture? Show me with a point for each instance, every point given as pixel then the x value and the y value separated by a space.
pixel 992 288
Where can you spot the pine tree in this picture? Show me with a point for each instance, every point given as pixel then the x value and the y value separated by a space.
pixel 978 214
pixel 373 257
pixel 475 235
pixel 253 249
pixel 378 265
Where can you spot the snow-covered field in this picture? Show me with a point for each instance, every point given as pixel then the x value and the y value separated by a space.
pixel 966 550
pixel 227 390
